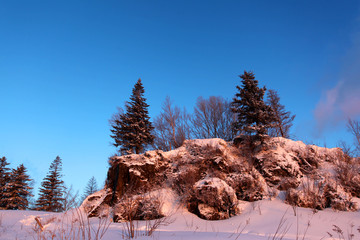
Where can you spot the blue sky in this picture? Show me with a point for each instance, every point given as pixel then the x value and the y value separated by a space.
pixel 66 65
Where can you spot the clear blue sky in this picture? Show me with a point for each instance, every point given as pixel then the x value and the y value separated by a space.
pixel 66 65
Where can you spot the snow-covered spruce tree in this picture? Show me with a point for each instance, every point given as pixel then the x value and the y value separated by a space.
pixel 283 120
pixel 52 189
pixel 4 180
pixel 18 189
pixel 132 131
pixel 254 117
pixel 91 187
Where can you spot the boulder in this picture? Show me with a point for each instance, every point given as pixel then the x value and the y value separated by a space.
pixel 213 199
pixel 98 204
pixel 249 186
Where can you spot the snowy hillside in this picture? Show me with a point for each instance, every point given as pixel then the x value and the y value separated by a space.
pixel 258 220
pixel 211 189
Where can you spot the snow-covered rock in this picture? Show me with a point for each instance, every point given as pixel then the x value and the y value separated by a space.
pixel 213 199
pixel 211 175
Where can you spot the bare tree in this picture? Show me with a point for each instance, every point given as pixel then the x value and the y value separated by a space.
pixel 353 127
pixel 70 199
pixel 184 127
pixel 171 127
pixel 282 119
pixel 213 118
pixel 346 148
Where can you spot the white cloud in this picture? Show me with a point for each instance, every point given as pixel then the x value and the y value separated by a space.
pixel 342 101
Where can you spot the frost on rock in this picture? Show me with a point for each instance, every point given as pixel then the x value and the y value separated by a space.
pixel 213 199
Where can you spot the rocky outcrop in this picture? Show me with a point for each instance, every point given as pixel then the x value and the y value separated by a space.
pixel 210 176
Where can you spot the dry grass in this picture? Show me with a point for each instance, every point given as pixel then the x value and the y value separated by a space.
pixel 309 196
pixel 281 230
pixel 73 225
pixel 147 206
pixel 348 173
pixel 338 233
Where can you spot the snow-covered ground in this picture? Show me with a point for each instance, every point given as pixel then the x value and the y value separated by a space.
pixel 265 219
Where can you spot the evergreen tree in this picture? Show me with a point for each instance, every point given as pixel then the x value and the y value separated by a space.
pixel 91 187
pixel 52 189
pixel 19 189
pixel 282 119
pixel 132 129
pixel 254 117
pixel 4 180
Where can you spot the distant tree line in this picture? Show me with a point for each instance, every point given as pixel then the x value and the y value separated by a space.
pixel 215 117
pixel 16 188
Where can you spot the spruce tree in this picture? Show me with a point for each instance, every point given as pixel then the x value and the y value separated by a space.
pixel 91 187
pixel 4 180
pixel 52 189
pixel 19 189
pixel 132 131
pixel 254 117
pixel 282 119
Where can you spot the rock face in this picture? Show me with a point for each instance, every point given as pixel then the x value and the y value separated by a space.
pixel 135 173
pixel 210 176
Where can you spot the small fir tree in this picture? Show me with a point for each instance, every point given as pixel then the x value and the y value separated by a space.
pixel 282 119
pixel 254 117
pixel 52 189
pixel 132 130
pixel 19 189
pixel 91 187
pixel 4 180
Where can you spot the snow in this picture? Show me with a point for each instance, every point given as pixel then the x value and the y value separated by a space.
pixel 215 143
pixel 259 220
pixel 299 146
